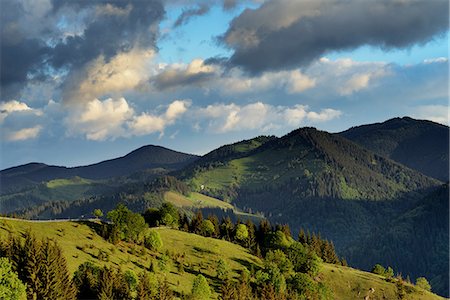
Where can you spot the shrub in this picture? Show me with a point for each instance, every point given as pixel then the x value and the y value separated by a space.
pixel 200 288
pixel 423 283
pixel 378 269
pixel 153 240
pixel 10 285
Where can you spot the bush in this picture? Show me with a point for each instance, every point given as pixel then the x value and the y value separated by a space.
pixel 200 288
pixel 378 269
pixel 153 240
pixel 423 283
pixel 10 285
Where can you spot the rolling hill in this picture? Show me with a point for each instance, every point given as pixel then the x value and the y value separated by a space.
pixel 81 243
pixel 418 144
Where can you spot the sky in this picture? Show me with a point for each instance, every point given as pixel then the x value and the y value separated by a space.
pixel 84 81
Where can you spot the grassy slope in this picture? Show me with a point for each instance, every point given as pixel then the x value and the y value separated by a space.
pixel 77 239
pixel 200 256
pixel 195 200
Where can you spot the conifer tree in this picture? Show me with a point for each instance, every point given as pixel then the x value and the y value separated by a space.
pixel 106 284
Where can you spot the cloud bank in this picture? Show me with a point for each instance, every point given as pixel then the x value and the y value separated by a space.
pixel 291 33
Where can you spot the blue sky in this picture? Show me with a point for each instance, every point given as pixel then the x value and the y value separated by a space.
pixel 106 78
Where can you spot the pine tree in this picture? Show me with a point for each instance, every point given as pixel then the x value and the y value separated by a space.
pixel 106 283
pixel 228 291
pixel 165 293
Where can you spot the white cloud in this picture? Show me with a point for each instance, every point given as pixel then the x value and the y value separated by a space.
pixel 259 116
pixel 100 120
pixel 435 113
pixel 10 107
pixel 123 72
pixel 23 134
pixel 346 76
pixel 435 60
pixel 109 119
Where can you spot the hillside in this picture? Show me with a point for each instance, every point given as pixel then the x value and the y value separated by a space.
pixel 80 243
pixel 317 163
pixel 419 144
pixel 321 182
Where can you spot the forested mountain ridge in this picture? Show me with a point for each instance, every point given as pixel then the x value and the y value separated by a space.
pixel 146 157
pixel 419 144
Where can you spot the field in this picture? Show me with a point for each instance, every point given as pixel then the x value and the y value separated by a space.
pixel 80 243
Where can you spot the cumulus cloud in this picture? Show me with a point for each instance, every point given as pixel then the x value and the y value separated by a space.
pixel 112 118
pixel 19 122
pixel 195 73
pixel 123 72
pixel 147 123
pixel 292 33
pixel 259 116
pixel 23 134
pixel 44 38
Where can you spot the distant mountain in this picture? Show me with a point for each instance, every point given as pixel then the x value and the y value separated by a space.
pixel 144 158
pixel 418 144
pixel 308 162
pixel 35 184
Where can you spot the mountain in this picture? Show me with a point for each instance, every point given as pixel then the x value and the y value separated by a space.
pixel 323 183
pixel 37 184
pixel 144 158
pixel 418 144
pixel 309 163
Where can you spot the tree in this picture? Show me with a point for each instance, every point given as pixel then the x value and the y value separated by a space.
pixel 200 288
pixel 423 283
pixel 86 279
pixel 207 228
pixel 128 224
pixel 153 240
pixel 222 269
pixel 169 215
pixel 304 285
pixel 389 273
pixel 378 269
pixel 241 232
pixel 10 285
pixel 98 213
pixel 279 259
pixel 131 279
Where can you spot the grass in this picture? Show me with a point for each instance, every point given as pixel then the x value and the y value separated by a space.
pixel 349 283
pixel 57 183
pixel 198 254
pixel 195 200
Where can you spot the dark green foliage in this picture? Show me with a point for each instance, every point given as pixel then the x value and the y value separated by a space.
pixel 87 280
pixel 420 145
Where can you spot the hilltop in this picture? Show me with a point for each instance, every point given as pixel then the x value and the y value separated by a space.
pixel 419 144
